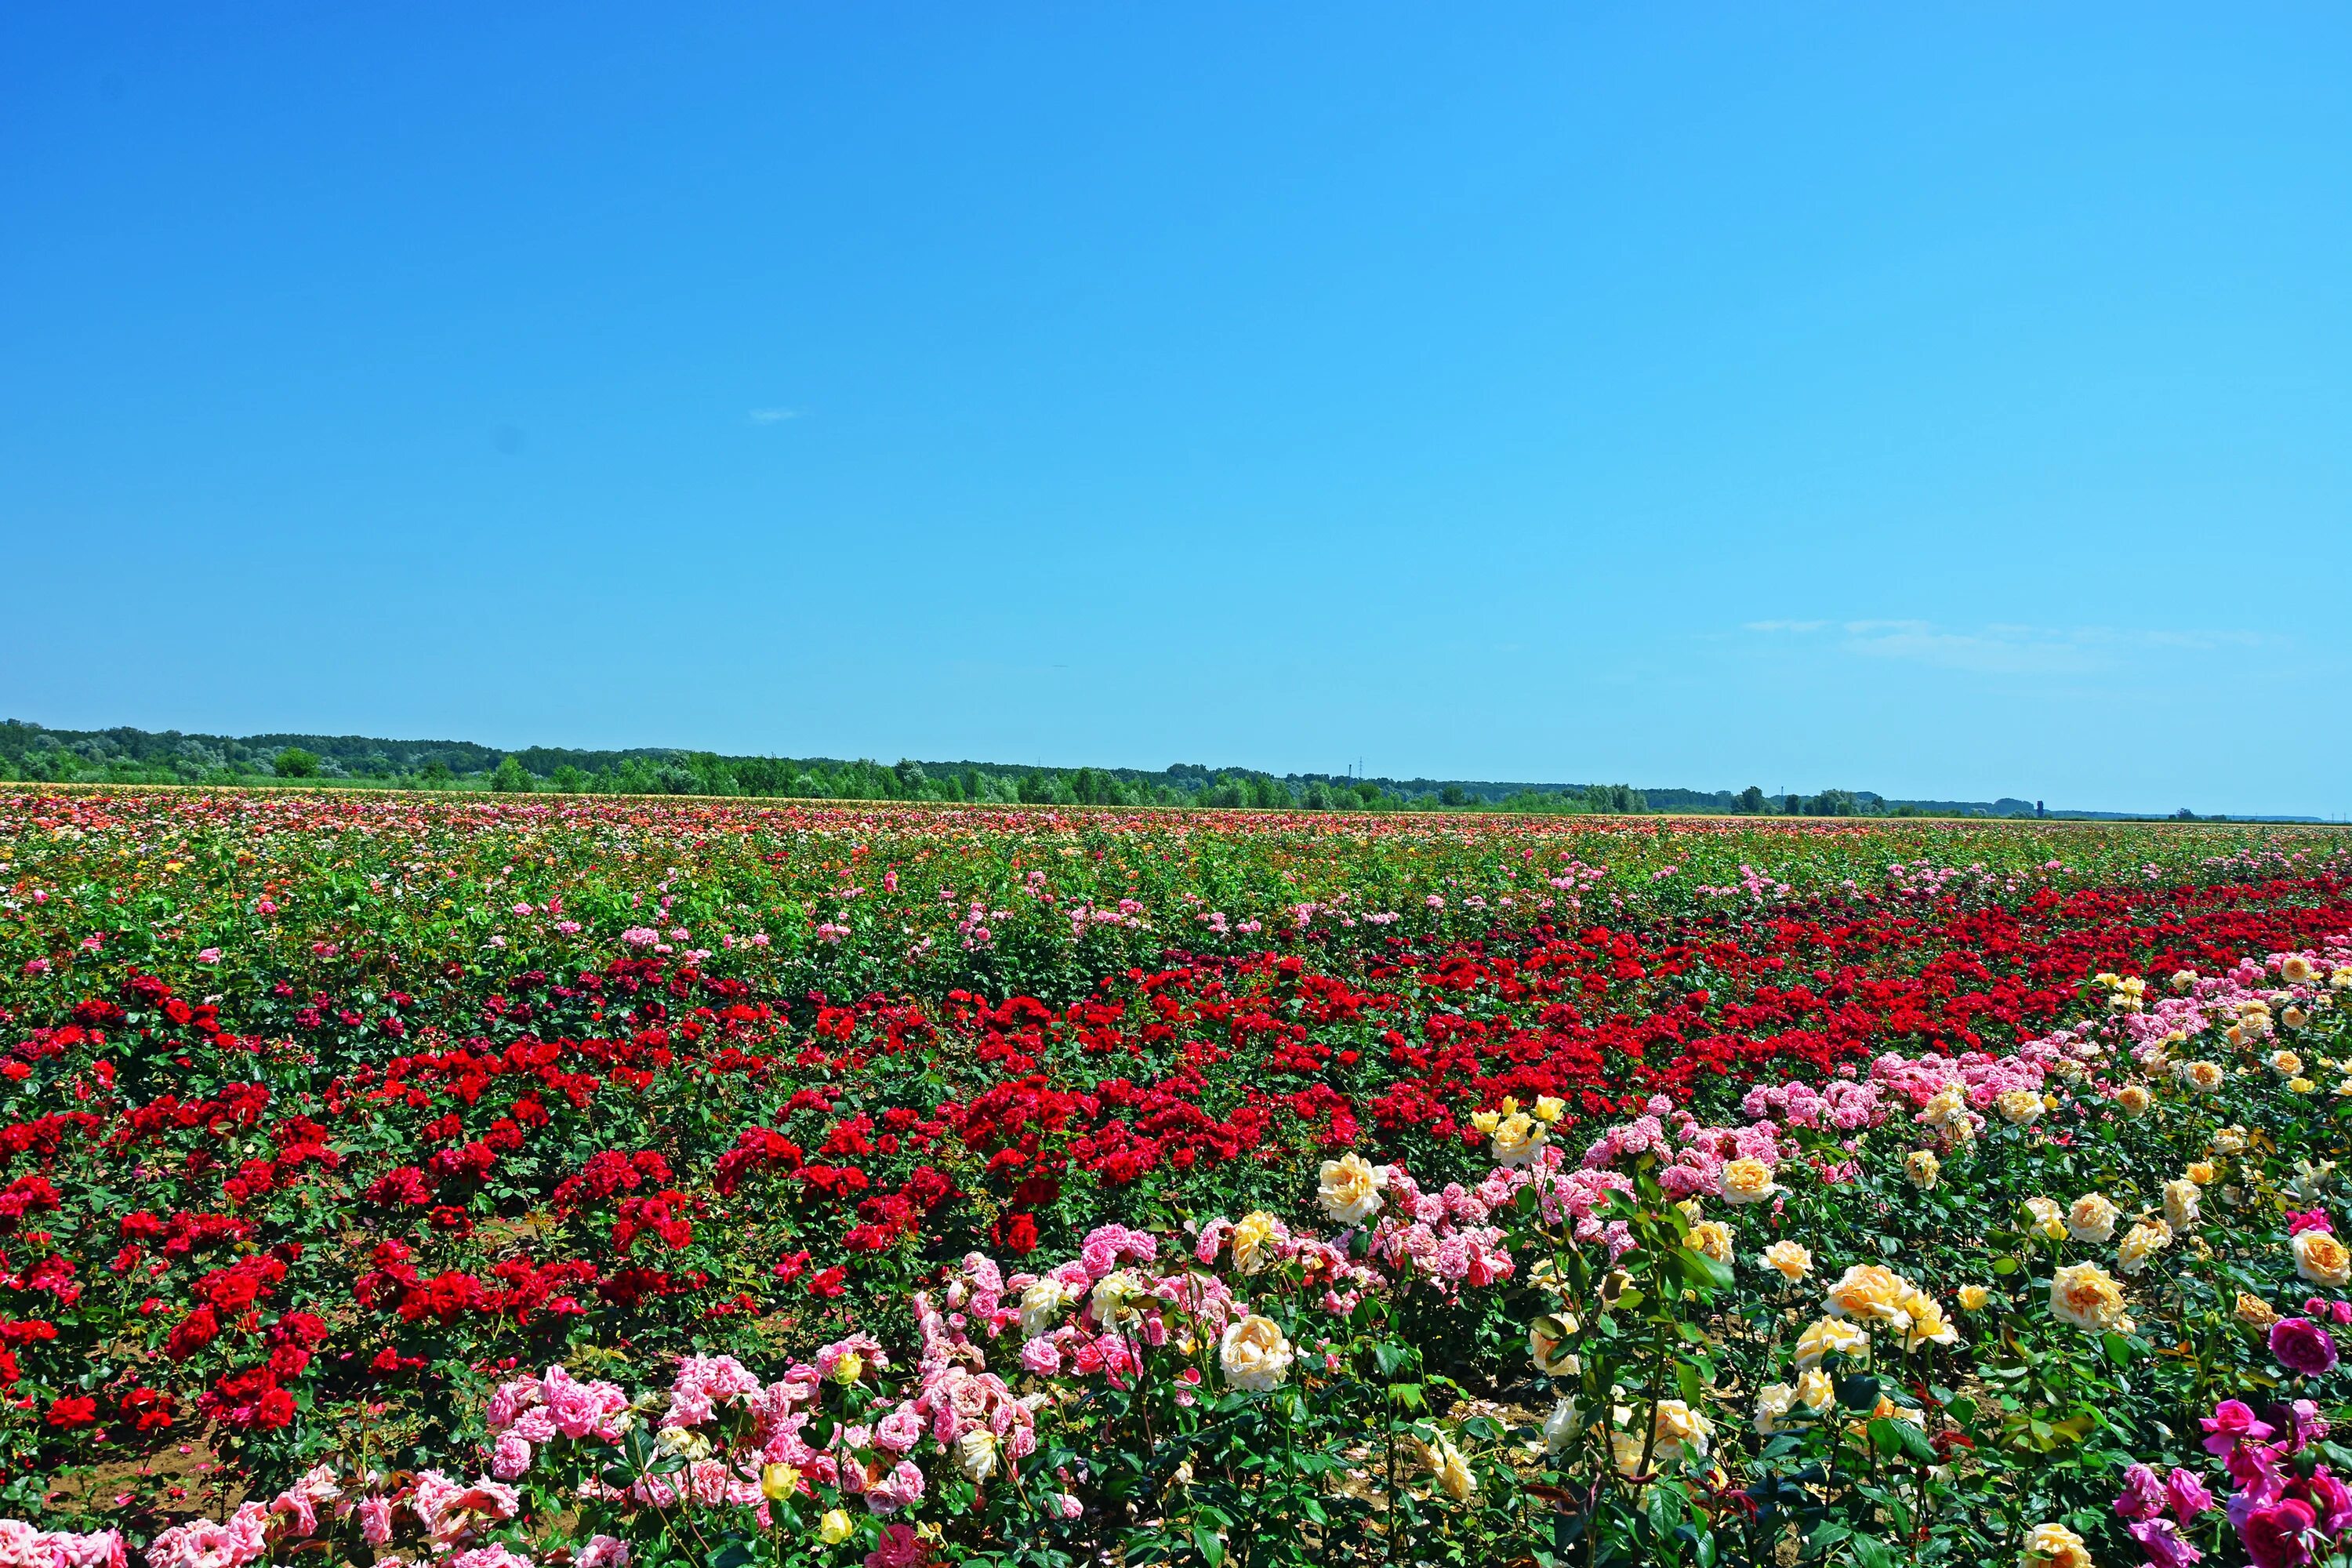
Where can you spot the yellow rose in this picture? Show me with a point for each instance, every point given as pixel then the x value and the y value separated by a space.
pixel 1923 1169
pixel 1792 1260
pixel 2203 1077
pixel 2019 1107
pixel 2300 1086
pixel 2201 1172
pixel 1450 1471
pixel 1548 1338
pixel 2083 1295
pixel 1748 1182
pixel 2048 1219
pixel 778 1482
pixel 1923 1322
pixel 2092 1218
pixel 1254 1354
pixel 1973 1298
pixel 834 1528
pixel 1827 1335
pixel 2054 1546
pixel 849 1368
pixel 1549 1107
pixel 1869 1291
pixel 1814 1390
pixel 2322 1260
pixel 1518 1137
pixel 1350 1189
pixel 2254 1313
pixel 1712 1237
pixel 1948 1110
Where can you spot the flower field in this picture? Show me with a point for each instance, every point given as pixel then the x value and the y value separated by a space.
pixel 587 1183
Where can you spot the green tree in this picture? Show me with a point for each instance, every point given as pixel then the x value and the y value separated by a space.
pixel 510 777
pixel 294 763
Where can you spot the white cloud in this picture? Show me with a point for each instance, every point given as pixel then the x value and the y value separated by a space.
pixel 774 415
pixel 2003 647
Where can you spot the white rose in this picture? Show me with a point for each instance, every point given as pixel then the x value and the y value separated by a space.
pixel 1254 1354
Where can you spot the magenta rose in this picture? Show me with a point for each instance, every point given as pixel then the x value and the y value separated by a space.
pixel 2279 1536
pixel 2303 1346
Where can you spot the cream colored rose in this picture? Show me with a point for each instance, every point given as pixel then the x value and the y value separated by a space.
pixel 2054 1546
pixel 2049 1219
pixel 2181 1200
pixel 1681 1432
pixel 975 1455
pixel 2092 1218
pixel 2182 979
pixel 2019 1107
pixel 2133 1100
pixel 1828 1334
pixel 2295 969
pixel 1944 1107
pixel 1254 1354
pixel 2141 1243
pixel 2201 1075
pixel 1712 1237
pixel 1748 1182
pixel 1773 1402
pixel 1040 1303
pixel 1923 1169
pixel 1560 1427
pixel 2083 1295
pixel 2322 1260
pixel 2287 1064
pixel 1792 1261
pixel 2254 1311
pixel 1118 1299
pixel 2230 1139
pixel 1252 1240
pixel 1350 1189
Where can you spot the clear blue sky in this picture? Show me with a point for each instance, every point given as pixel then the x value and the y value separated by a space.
pixel 1950 401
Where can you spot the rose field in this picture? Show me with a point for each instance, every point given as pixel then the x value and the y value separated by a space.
pixel 468 1183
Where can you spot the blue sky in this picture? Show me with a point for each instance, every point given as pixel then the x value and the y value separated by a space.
pixel 1946 401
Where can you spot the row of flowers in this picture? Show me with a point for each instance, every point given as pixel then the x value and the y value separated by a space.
pixel 1263 1388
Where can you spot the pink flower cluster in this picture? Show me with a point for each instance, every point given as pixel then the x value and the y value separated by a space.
pixel 23 1545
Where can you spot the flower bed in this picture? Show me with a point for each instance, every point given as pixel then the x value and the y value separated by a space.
pixel 613 1181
